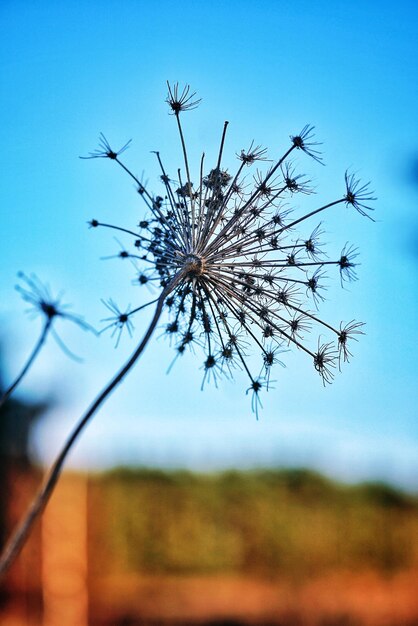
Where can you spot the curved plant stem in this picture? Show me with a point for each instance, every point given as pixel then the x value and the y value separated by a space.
pixel 29 362
pixel 21 534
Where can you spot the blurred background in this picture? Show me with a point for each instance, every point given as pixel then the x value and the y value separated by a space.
pixel 223 526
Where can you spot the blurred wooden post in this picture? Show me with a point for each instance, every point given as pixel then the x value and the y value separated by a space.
pixel 64 554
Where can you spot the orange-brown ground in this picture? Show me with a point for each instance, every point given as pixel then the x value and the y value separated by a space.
pixel 255 549
pixel 339 599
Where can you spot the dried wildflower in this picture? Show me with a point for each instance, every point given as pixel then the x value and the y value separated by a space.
pixel 346 263
pixel 270 359
pixel 50 308
pixel 104 151
pixel 39 296
pixel 253 154
pixel 303 141
pixel 255 387
pixel 118 321
pixel 295 183
pixel 233 270
pixel 313 245
pixel 358 195
pixel 346 334
pixel 325 360
pixel 180 101
pixel 238 260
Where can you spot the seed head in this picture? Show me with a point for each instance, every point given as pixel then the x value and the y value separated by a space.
pixel 245 271
pixel 180 101
pixel 42 302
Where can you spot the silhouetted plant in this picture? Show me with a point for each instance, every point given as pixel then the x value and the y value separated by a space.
pixel 233 268
pixel 50 308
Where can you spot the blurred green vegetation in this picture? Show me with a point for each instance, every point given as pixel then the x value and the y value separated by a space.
pixel 291 523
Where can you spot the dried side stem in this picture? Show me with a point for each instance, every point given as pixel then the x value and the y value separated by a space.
pixel 29 362
pixel 19 537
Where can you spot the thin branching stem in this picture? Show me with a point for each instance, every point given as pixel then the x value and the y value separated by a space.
pixel 29 362
pixel 21 534
pixel 186 164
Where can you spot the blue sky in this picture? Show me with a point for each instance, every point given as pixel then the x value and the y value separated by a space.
pixel 72 70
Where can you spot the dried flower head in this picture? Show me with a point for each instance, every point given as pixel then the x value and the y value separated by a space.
pixel 180 101
pixel 234 272
pixel 237 263
pixel 42 302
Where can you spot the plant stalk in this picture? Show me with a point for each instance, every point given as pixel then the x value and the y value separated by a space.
pixel 29 362
pixel 20 535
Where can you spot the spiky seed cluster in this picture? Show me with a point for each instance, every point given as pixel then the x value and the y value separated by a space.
pixel 39 296
pixel 240 269
pixel 43 303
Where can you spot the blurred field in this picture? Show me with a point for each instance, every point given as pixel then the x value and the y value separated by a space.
pixel 291 523
pixel 288 548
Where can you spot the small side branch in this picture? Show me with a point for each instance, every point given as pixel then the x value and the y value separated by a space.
pixel 29 362
pixel 19 537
